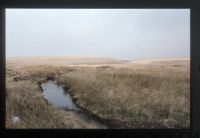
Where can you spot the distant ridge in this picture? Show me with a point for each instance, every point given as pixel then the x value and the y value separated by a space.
pixel 158 60
pixel 61 60
pixel 75 60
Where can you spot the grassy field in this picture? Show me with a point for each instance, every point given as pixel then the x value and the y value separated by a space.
pixel 25 100
pixel 140 94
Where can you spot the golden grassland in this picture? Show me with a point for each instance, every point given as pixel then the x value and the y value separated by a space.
pixel 153 92
pixel 25 100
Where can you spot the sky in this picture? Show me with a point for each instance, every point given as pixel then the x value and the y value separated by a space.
pixel 124 34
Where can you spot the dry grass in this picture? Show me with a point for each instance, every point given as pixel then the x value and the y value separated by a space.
pixel 157 95
pixel 25 100
pixel 60 60
pixel 155 92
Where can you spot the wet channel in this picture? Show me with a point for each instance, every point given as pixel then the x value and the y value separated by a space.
pixel 57 96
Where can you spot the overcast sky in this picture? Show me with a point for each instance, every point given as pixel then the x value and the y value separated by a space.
pixel 116 33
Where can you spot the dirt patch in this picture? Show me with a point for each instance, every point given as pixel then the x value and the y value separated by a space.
pixel 103 67
pixel 20 78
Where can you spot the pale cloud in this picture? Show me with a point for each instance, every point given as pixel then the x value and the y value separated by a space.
pixel 116 33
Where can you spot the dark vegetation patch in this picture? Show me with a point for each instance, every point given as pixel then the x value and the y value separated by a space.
pixel 103 67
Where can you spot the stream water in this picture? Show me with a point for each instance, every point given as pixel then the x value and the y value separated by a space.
pixel 56 95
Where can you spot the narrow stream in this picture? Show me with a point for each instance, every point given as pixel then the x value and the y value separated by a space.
pixel 56 95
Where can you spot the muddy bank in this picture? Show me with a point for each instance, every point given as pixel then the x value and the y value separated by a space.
pixel 116 123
